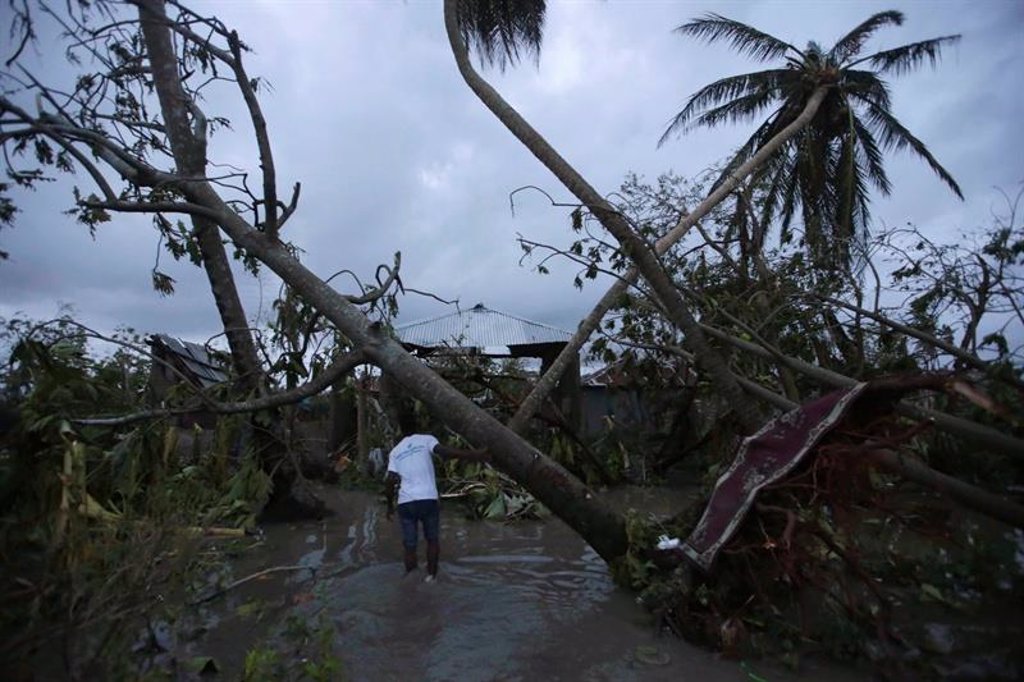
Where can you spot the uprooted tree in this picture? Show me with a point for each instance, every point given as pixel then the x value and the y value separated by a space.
pixel 137 130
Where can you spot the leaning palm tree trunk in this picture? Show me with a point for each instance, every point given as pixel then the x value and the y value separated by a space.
pixel 644 258
pixel 547 383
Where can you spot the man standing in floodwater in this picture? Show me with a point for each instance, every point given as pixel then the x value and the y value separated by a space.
pixel 411 476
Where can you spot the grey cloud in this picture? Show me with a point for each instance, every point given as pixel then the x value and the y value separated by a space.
pixel 395 153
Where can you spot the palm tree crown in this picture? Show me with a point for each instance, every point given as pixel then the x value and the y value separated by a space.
pixel 500 31
pixel 827 168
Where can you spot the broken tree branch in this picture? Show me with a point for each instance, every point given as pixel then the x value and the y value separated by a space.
pixel 255 576
pixel 322 382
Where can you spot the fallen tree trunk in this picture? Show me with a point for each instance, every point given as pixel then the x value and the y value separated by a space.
pixel 550 483
pixel 970 496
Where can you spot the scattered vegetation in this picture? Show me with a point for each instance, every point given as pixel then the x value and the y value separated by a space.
pixel 834 558
pixel 104 522
pixel 101 525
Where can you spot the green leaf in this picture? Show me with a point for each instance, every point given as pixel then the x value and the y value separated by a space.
pixel 496 509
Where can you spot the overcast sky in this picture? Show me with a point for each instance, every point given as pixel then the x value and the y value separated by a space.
pixel 394 152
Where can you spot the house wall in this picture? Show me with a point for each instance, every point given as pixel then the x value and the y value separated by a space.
pixel 624 406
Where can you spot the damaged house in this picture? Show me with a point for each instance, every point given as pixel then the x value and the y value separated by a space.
pixel 482 331
pixel 177 361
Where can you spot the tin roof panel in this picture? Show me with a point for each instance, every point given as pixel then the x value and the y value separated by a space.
pixel 206 368
pixel 479 327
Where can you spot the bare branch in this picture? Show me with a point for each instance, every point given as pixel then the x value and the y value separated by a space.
pixel 575 258
pixel 959 353
pixel 259 125
pixel 156 127
pixel 23 21
pixel 292 205
pixel 551 199
pixel 153 207
pixel 428 294
pixel 383 287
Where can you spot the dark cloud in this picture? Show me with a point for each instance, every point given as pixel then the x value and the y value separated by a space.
pixel 367 110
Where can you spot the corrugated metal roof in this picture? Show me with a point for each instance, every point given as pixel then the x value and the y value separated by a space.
pixel 207 369
pixel 479 327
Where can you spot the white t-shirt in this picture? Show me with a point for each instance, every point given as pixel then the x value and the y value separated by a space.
pixel 411 459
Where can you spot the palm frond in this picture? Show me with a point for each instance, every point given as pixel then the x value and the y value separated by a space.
pixel 906 58
pixel 872 158
pixel 893 135
pixel 851 44
pixel 776 172
pixel 739 109
pixel 816 196
pixel 722 91
pixel 867 84
pixel 790 197
pixel 852 216
pixel 814 157
pixel 502 31
pixel 849 187
pixel 744 39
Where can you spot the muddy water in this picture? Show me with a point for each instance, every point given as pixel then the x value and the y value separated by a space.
pixel 524 601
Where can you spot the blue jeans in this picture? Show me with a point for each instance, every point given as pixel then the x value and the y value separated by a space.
pixel 411 514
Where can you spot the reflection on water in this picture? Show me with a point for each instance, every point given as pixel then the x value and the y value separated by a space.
pixel 523 601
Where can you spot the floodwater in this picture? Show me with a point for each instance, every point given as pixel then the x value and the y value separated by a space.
pixel 522 601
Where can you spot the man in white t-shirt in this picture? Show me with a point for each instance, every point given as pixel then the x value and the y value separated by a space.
pixel 411 476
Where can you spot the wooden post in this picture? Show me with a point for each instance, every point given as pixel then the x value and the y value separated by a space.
pixel 343 420
pixel 567 395
pixel 362 418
